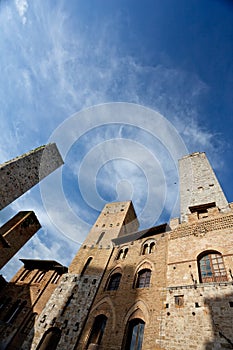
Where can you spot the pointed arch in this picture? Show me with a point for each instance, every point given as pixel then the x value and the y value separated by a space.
pixel 145 264
pixel 138 310
pixel 50 339
pixel 148 246
pixel 87 263
pixel 109 311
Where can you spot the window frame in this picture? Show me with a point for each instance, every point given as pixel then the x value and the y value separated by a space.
pixel 134 340
pixel 145 279
pixel 97 330
pixel 114 281
pixel 211 267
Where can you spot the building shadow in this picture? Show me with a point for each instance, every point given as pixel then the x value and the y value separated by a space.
pixel 221 313
pixel 23 298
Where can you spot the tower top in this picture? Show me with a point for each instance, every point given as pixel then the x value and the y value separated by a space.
pixel 199 187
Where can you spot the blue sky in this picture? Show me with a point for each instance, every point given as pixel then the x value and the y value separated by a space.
pixel 62 57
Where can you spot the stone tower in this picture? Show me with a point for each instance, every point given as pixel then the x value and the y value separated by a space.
pixel 20 174
pixel 163 288
pixel 15 233
pixel 70 303
pixel 199 187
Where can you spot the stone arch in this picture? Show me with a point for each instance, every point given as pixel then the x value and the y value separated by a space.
pixel 146 247
pixel 99 308
pixel 86 265
pixel 206 251
pixel 138 310
pixel 122 252
pixel 50 339
pixel 144 264
pixel 211 267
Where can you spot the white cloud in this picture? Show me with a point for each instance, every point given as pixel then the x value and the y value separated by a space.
pixel 52 71
pixel 22 7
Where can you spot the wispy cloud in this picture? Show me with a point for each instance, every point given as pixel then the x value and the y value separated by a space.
pixel 55 67
pixel 22 6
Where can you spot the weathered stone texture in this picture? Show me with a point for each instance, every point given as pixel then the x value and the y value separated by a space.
pixel 70 303
pixel 178 309
pixel 188 241
pixel 197 324
pixel 20 174
pixel 31 294
pixel 15 233
pixel 128 300
pixel 198 184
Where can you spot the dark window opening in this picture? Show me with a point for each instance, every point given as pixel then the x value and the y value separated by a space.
pixel 4 303
pixel 25 274
pixel 39 277
pixel 148 248
pixel 50 339
pixel 122 253
pixel 179 300
pixel 86 266
pixel 114 282
pixel 97 330
pixel 100 237
pixel 30 323
pixel 143 279
pixel 134 337
pixel 67 303
pixel 14 311
pixel 55 278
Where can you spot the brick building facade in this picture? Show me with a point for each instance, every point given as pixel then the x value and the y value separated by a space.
pixel 167 287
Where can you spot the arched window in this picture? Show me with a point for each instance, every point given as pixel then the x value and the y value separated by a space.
pixel 143 278
pixel 50 339
pixel 100 237
pixel 25 274
pixel 39 277
pixel 152 247
pixel 211 267
pixel 86 265
pixel 148 247
pixel 134 334
pixel 122 253
pixel 29 323
pixel 114 281
pixel 14 311
pixel 55 278
pixel 145 249
pixel 97 330
pixel 4 302
pixel 125 253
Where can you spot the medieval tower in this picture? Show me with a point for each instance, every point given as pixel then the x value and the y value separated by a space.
pixel 168 287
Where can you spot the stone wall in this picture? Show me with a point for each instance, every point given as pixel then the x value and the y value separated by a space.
pixel 30 293
pixel 202 322
pixel 15 233
pixel 20 174
pixel 198 184
pixel 127 301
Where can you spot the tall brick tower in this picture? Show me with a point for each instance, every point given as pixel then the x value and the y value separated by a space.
pixel 16 177
pixel 70 303
pixel 20 174
pixel 199 187
pixel 15 233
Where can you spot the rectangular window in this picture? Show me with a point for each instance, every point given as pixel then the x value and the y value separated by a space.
pixel 179 300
